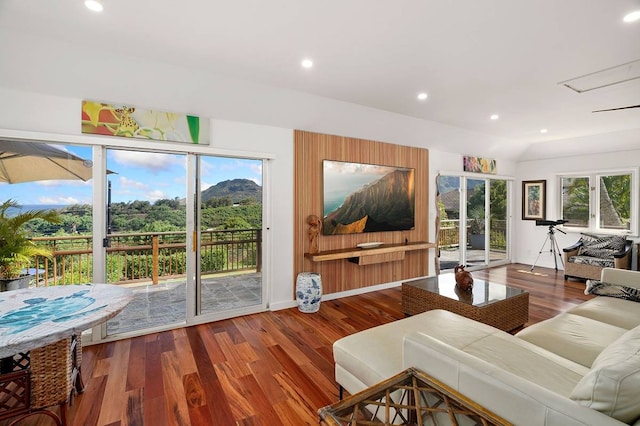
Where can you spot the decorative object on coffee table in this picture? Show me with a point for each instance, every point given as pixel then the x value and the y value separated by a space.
pixel 463 295
pixel 315 225
pixel 308 292
pixel 464 280
pixel 408 398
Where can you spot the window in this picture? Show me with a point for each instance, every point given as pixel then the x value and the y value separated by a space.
pixel 600 201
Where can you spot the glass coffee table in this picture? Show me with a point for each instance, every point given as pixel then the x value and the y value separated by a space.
pixel 494 304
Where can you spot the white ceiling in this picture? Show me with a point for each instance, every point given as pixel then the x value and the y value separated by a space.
pixel 474 57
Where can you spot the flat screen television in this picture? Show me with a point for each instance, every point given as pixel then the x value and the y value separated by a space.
pixel 362 198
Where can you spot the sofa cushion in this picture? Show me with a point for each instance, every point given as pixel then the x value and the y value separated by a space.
pixel 619 312
pixel 375 354
pixel 577 338
pixel 612 290
pixel 517 399
pixel 603 262
pixel 613 383
pixel 528 361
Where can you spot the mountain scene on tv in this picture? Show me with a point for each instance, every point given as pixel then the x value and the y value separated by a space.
pixel 367 198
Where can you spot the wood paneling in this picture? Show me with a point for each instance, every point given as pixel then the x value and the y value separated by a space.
pixel 341 275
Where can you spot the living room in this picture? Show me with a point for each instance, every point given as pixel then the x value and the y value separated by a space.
pixel 47 76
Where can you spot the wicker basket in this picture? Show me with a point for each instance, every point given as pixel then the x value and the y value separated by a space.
pixel 51 374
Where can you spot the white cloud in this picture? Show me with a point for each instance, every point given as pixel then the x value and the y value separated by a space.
pixel 53 183
pixel 256 168
pixel 60 200
pixel 151 161
pixel 127 184
pixel 155 195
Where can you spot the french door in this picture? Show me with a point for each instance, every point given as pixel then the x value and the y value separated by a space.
pixel 473 221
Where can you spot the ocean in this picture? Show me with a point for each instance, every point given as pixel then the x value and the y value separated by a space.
pixel 27 207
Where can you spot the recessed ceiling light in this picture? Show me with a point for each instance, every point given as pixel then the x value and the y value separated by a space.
pixel 494 117
pixel 93 5
pixel 307 63
pixel 543 130
pixel 422 96
pixel 632 17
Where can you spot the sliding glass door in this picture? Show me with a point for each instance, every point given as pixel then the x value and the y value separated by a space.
pixel 229 237
pixel 146 237
pixel 184 233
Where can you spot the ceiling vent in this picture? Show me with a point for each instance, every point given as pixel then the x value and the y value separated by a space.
pixel 604 78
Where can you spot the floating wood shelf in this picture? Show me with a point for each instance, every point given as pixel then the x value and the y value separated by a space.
pixel 384 253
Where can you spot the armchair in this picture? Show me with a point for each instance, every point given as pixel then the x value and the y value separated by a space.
pixel 586 258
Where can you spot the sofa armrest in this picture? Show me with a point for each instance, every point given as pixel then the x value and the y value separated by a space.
pixel 573 248
pixel 623 277
pixel 626 251
pixel 490 386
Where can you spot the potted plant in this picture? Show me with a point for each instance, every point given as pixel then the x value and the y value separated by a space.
pixel 16 248
pixel 476 228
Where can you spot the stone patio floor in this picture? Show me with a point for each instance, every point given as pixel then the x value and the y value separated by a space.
pixel 164 303
pixel 449 258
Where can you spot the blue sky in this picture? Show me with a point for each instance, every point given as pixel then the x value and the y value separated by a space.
pixel 138 176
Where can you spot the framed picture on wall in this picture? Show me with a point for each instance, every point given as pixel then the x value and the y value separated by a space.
pixel 534 201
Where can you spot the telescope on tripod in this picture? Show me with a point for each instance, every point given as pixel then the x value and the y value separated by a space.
pixel 551 238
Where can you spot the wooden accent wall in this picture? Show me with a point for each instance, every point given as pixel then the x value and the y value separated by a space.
pixel 341 275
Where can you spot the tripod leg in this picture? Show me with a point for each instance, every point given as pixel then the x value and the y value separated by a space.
pixel 553 250
pixel 540 252
pixel 557 251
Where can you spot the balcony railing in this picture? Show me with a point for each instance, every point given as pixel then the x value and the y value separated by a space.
pixel 147 256
pixel 449 235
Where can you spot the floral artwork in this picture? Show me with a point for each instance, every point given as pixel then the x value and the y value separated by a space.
pixel 133 122
pixel 479 165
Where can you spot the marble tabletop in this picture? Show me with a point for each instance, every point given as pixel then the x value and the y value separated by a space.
pixel 35 317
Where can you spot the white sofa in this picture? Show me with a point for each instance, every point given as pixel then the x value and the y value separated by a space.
pixel 581 367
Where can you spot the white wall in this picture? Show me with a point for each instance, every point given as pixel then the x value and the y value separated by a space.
pixel 529 237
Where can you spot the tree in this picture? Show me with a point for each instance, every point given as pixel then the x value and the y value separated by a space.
pixel 619 189
pixel 218 202
pixel 236 222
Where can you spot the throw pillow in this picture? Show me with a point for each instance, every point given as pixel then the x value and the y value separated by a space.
pixel 601 245
pixel 611 386
pixel 612 290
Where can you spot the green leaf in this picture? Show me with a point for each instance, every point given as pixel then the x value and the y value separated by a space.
pixel 194 128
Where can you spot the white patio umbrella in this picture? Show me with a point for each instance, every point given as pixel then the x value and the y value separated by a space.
pixel 34 161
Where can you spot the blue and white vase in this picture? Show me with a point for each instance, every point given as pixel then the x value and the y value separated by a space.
pixel 308 292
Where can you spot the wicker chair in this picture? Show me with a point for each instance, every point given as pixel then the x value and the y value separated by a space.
pixel 586 258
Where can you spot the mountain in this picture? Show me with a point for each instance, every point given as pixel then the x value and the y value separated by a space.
pixel 236 189
pixel 387 204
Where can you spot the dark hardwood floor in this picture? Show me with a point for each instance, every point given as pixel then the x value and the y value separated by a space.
pixel 273 368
